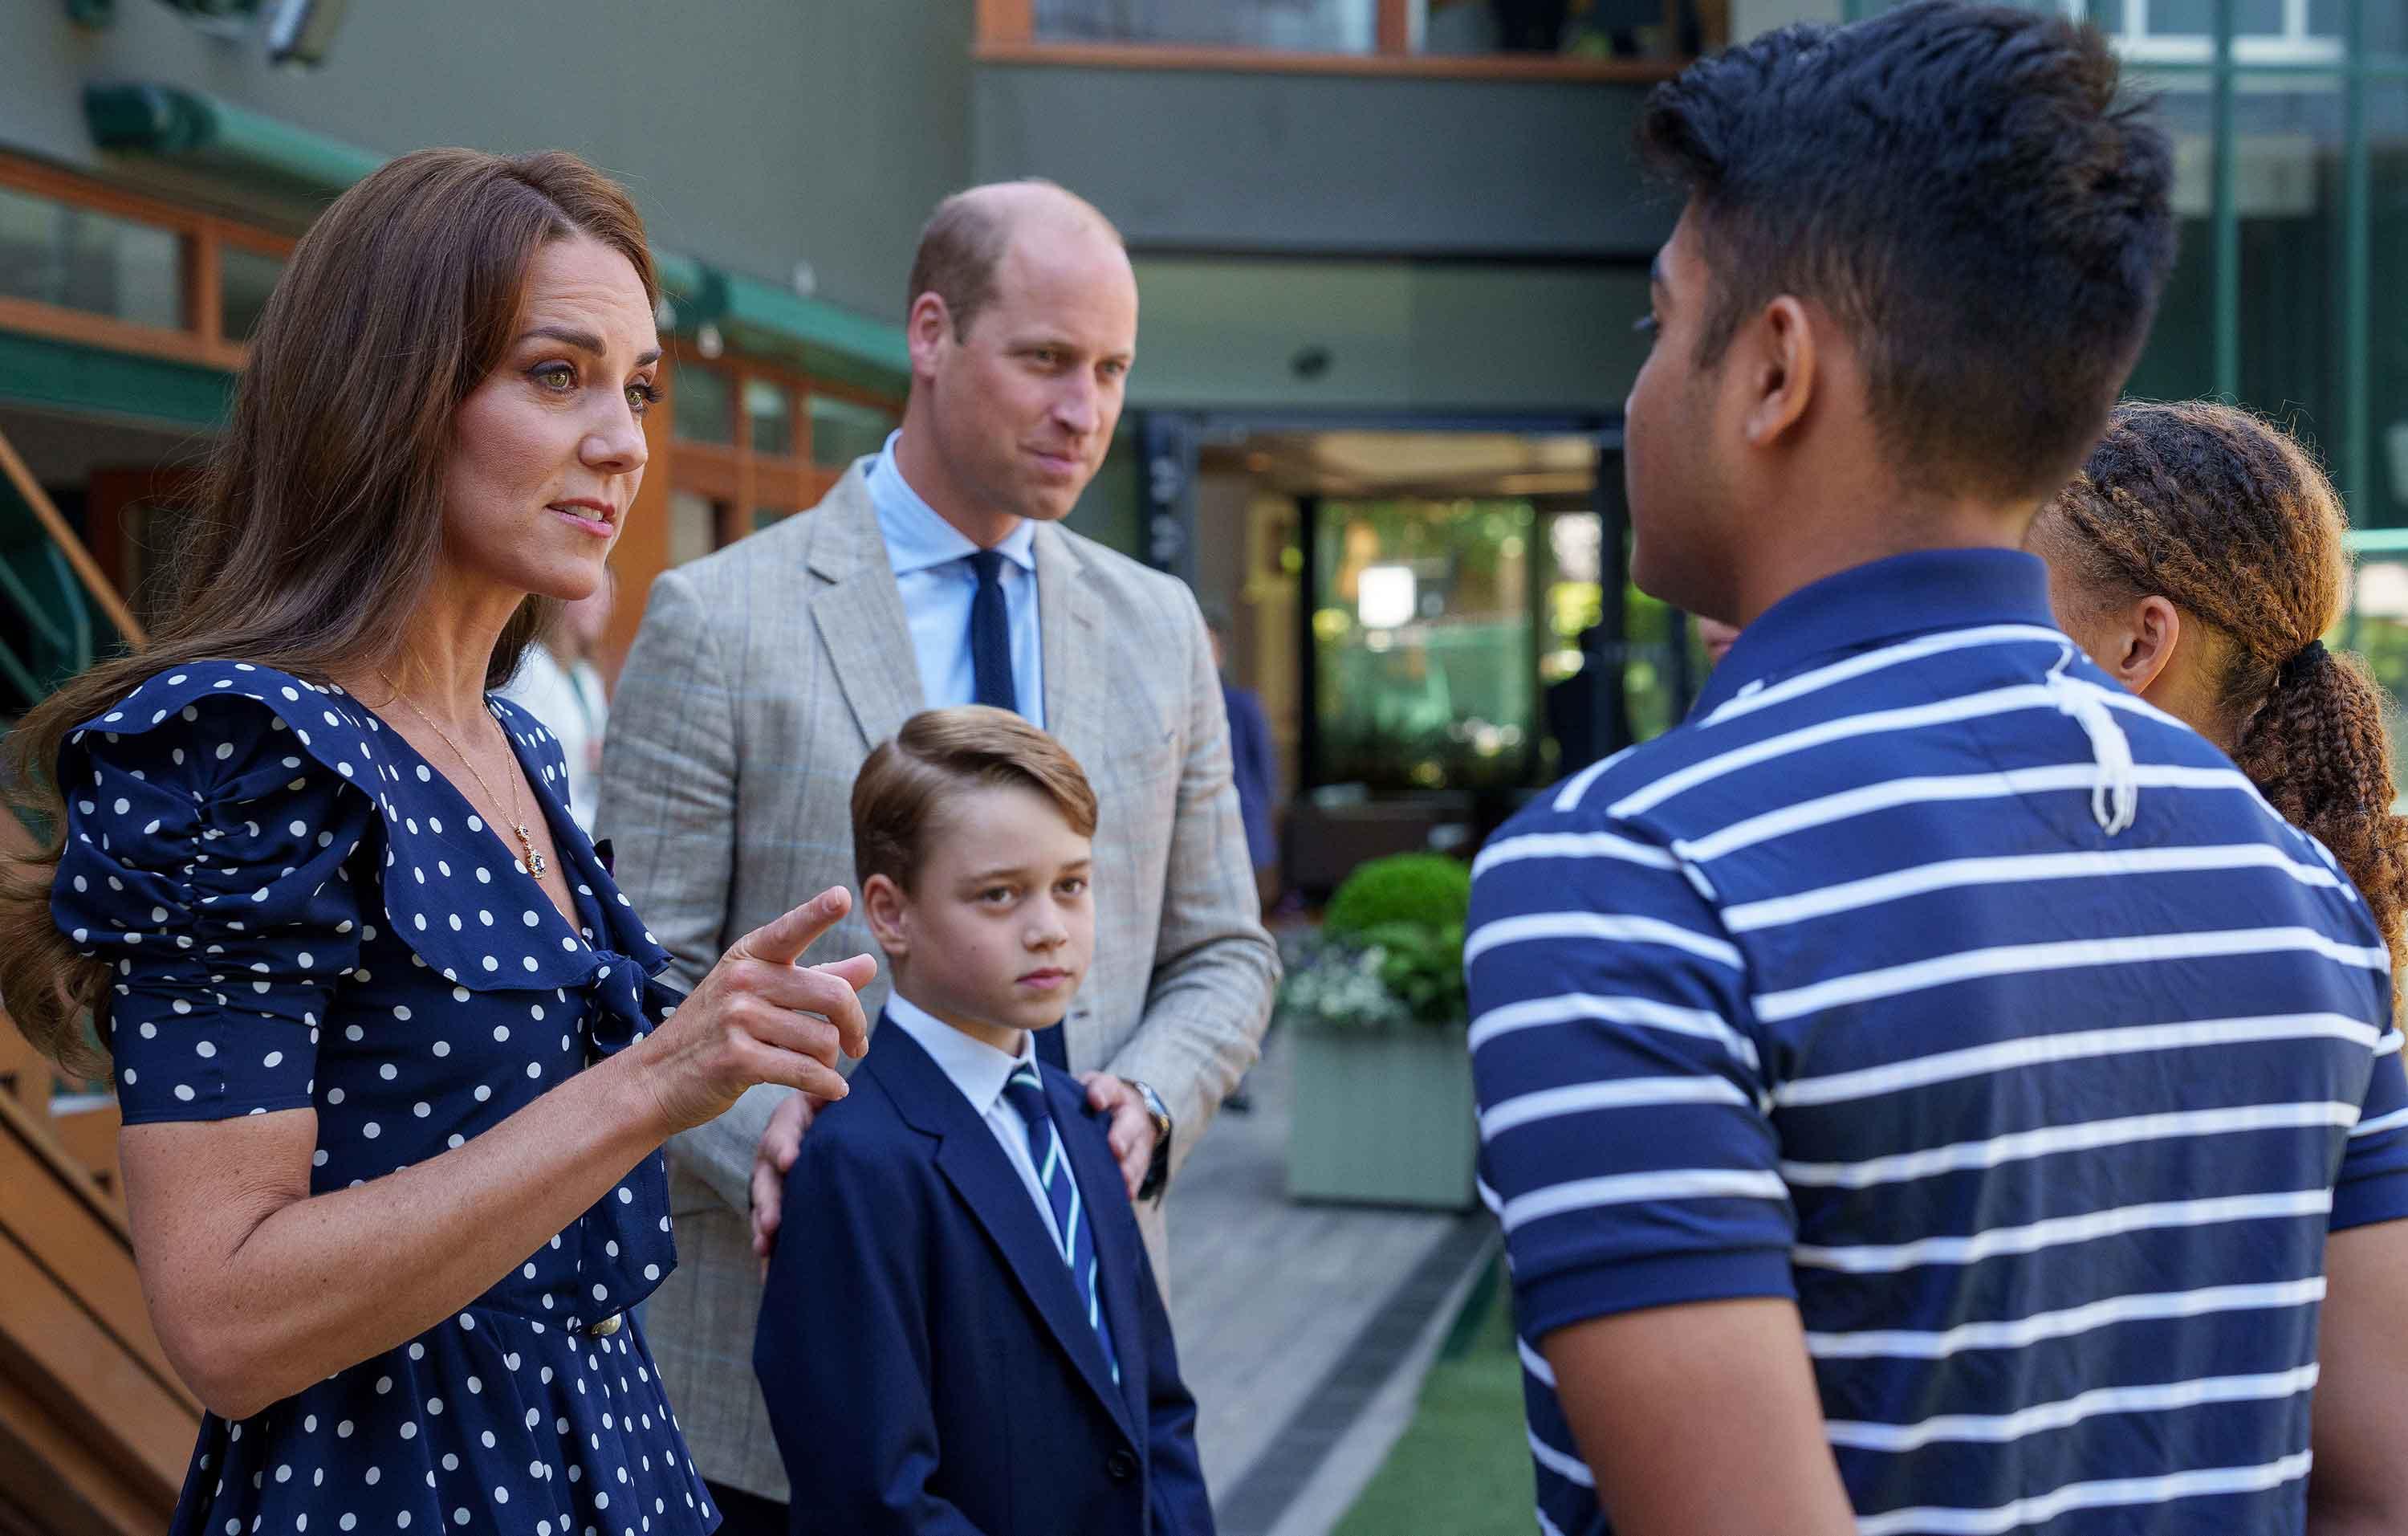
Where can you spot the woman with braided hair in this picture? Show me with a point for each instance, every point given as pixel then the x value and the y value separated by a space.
pixel 2198 557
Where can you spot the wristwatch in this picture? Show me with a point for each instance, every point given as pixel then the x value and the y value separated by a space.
pixel 1158 1174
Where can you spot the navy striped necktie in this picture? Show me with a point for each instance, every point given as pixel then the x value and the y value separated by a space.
pixel 992 683
pixel 1026 1094
pixel 991 635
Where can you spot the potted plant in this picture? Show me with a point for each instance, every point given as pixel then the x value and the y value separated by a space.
pixel 1376 1004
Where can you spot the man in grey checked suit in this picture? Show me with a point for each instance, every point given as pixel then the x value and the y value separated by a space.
pixel 762 675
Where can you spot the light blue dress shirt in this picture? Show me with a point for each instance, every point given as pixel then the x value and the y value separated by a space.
pixel 932 566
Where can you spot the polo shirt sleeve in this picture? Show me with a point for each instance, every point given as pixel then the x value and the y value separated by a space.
pixel 1624 1141
pixel 2373 1182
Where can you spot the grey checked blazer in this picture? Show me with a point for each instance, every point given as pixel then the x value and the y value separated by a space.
pixel 759 681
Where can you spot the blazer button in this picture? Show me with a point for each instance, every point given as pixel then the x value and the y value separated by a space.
pixel 1121 1465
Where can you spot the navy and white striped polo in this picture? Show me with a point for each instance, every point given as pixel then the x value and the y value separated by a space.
pixel 1929 978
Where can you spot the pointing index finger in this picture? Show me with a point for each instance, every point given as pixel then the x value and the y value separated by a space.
pixel 782 940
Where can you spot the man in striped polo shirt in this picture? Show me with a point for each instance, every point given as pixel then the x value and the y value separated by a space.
pixel 1929 1091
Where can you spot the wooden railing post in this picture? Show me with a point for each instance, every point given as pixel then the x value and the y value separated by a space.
pixel 1006 21
pixel 86 569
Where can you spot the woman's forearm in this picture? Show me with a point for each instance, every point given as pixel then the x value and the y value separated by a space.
pixel 259 1289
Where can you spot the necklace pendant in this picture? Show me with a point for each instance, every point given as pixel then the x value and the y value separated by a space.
pixel 535 861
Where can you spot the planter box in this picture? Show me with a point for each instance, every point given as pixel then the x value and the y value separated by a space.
pixel 1382 1118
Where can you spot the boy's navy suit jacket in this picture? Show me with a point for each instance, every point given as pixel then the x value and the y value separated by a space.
pixel 928 1366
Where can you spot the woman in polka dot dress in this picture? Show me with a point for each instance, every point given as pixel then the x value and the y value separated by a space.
pixel 393 1070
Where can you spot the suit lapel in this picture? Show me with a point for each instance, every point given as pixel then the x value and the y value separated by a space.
pixel 1092 1165
pixel 1066 627
pixel 858 611
pixel 983 1177
pixel 1076 707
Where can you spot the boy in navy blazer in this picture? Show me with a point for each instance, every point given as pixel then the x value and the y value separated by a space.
pixel 960 1332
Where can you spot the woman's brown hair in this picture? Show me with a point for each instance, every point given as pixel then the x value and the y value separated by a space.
pixel 2227 517
pixel 318 523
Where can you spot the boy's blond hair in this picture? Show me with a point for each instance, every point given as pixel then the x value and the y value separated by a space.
pixel 939 752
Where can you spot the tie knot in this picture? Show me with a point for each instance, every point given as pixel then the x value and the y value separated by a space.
pixel 989 566
pixel 1026 1091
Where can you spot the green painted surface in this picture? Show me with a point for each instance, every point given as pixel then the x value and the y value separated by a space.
pixel 1462 1465
pixel 2366 541
pixel 50 629
pixel 2357 298
pixel 831 342
pixel 63 376
pixel 681 277
pixel 2226 220
pixel 178 123
pixel 1393 1121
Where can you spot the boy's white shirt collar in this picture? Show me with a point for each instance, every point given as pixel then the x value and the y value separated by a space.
pixel 977 1068
pixel 978 1071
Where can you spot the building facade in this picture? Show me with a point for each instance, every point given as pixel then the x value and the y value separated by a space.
pixel 1389 253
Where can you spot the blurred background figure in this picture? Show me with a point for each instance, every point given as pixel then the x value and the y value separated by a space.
pixel 1253 757
pixel 560 684
pixel 1716 637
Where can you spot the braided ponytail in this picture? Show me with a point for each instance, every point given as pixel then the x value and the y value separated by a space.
pixel 2317 751
pixel 2223 514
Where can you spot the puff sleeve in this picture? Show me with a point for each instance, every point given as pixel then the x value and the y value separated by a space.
pixel 205 862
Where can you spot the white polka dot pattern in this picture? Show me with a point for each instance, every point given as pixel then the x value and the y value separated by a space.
pixel 268 961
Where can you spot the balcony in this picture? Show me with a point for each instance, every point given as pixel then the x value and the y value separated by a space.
pixel 1335 128
pixel 1471 39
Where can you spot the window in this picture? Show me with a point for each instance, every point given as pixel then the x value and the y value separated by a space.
pixel 87 264
pixel 1426 674
pixel 703 407
pixel 844 430
pixel 1544 39
pixel 245 279
pixel 2265 32
pixel 694 526
pixel 754 443
pixel 770 414
pixel 77 258
pixel 1315 26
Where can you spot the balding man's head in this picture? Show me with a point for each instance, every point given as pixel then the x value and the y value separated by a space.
pixel 963 245
pixel 1021 328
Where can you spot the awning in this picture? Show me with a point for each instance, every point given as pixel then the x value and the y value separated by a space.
pixel 174 123
pixel 760 319
pixel 194 128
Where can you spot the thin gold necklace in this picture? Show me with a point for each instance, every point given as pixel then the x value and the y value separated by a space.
pixel 535 861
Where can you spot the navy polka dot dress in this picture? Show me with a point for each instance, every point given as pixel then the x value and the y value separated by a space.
pixel 300 912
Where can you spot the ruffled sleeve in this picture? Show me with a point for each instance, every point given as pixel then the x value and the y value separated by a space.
pixel 205 861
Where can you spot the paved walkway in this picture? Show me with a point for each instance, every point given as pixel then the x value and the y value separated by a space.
pixel 1303 1330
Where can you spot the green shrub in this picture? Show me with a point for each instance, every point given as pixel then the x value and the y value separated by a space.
pixel 1393 976
pixel 1422 967
pixel 1390 950
pixel 1430 889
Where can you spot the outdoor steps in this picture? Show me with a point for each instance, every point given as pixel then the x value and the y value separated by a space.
pixel 94 1427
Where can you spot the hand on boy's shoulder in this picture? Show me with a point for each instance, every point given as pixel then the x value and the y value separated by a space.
pixel 847 1155
pixel 1130 1126
pixel 782 1143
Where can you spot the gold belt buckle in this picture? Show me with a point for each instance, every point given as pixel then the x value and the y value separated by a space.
pixel 605 1327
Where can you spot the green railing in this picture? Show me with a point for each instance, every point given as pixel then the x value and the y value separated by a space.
pixel 59 627
pixel 50 627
